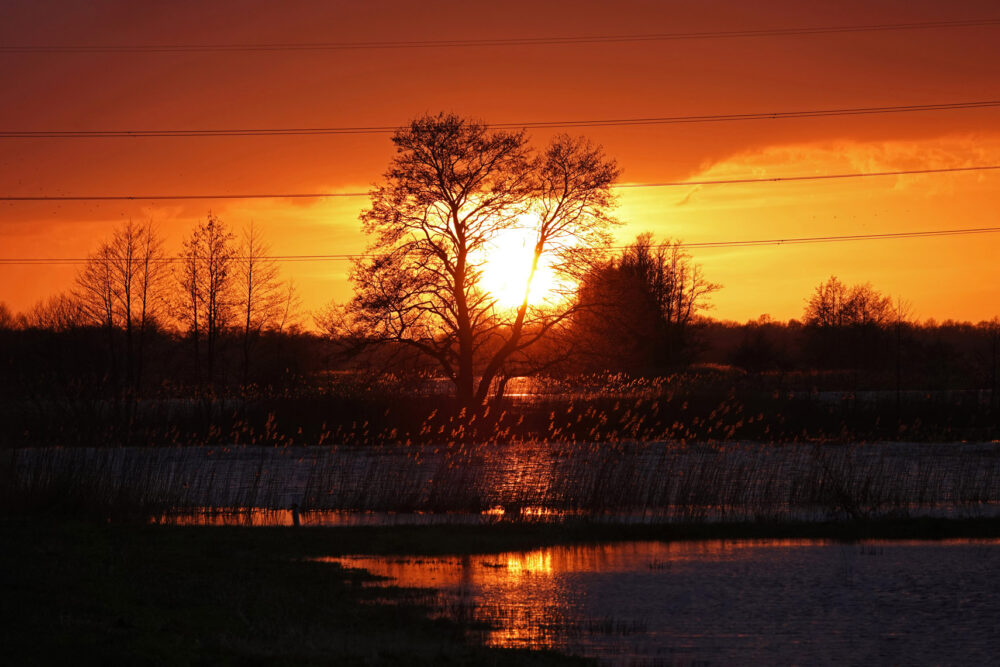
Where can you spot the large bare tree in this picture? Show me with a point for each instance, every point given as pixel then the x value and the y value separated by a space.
pixel 452 188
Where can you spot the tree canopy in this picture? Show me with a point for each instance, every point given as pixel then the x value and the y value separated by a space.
pixel 452 189
pixel 641 305
pixel 834 304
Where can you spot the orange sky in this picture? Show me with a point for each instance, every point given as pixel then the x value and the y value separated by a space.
pixel 951 277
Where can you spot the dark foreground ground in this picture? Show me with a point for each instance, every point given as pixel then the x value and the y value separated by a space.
pixel 83 593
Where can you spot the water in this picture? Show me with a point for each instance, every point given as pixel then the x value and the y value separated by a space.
pixel 727 602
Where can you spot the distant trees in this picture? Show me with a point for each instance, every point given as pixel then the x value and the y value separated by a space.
pixel 228 287
pixel 452 188
pixel 7 319
pixel 222 295
pixel 834 304
pixel 993 359
pixel 639 307
pixel 847 326
pixel 122 288
pixel 59 312
pixel 764 345
pixel 262 299
pixel 205 276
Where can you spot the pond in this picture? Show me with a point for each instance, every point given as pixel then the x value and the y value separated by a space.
pixel 726 602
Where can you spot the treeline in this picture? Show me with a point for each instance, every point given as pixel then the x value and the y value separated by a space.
pixel 907 355
pixel 644 313
pixel 218 318
pixel 216 314
pixel 207 347
pixel 860 338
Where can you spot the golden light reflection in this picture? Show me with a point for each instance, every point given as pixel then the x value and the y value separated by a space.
pixel 524 481
pixel 627 601
pixel 257 517
pixel 532 599
pixel 533 562
pixel 205 516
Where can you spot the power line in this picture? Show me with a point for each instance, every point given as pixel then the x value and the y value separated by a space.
pixel 841 238
pixel 287 195
pixel 592 122
pixel 666 184
pixel 817 177
pixel 800 240
pixel 492 42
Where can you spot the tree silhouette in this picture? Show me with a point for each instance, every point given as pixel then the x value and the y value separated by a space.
pixel 833 304
pixel 7 319
pixel 122 288
pixel 453 186
pixel 638 307
pixel 993 327
pixel 847 326
pixel 262 299
pixel 206 279
pixel 60 312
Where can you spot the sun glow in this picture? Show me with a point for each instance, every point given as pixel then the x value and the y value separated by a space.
pixel 506 268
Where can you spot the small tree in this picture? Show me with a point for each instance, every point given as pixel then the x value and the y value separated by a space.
pixel 206 279
pixel 827 305
pixel 993 326
pixel 7 320
pixel 453 186
pixel 122 288
pixel 262 299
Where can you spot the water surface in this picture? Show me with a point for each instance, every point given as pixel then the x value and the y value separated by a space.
pixel 727 602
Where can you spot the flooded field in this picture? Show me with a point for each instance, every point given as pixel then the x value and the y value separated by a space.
pixel 620 481
pixel 726 602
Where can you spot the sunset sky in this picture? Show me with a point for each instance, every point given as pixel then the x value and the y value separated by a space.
pixel 951 277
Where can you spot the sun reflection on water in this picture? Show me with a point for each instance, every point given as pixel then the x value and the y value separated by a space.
pixel 684 601
pixel 533 562
pixel 532 599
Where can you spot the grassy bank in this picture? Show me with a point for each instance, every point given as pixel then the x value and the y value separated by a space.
pixel 125 594
pixel 91 594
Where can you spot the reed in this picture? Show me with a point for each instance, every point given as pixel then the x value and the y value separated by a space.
pixel 531 481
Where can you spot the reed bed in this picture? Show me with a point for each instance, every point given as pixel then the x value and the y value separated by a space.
pixel 534 481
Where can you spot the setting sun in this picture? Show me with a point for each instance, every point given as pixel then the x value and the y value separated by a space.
pixel 507 267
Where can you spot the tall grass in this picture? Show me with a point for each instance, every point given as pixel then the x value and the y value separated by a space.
pixel 677 448
pixel 632 481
